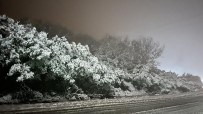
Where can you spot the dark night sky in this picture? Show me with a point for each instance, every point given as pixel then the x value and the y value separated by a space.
pixel 176 23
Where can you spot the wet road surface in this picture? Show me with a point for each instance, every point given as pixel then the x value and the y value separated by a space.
pixel 190 103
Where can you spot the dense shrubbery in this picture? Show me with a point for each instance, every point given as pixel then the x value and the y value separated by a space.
pixel 34 67
pixel 29 57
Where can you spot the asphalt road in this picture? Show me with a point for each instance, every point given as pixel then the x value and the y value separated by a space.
pixel 190 103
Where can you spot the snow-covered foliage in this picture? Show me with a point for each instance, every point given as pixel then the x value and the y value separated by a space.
pixel 116 52
pixel 138 59
pixel 26 54
pixel 30 54
pixel 126 54
pixel 144 78
pixel 187 84
pixel 24 71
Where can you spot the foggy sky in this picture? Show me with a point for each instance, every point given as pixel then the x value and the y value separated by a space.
pixel 178 24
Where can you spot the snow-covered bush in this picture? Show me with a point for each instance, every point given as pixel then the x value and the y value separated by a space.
pixel 144 78
pixel 30 55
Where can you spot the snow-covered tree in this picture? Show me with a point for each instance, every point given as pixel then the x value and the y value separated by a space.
pixel 116 52
pixel 127 54
pixel 147 50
